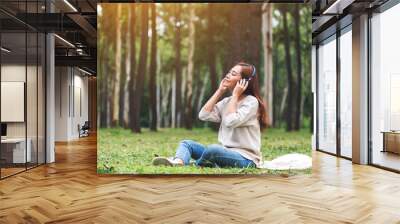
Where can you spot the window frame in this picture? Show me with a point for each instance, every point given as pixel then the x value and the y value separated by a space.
pixel 346 27
pixel 380 9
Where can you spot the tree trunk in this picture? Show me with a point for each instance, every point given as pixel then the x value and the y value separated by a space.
pixel 169 105
pixel 183 95
pixel 173 101
pixel 253 33
pixel 236 49
pixel 107 77
pixel 196 91
pixel 189 80
pixel 164 86
pixel 202 93
pixel 158 91
pixel 268 73
pixel 158 105
pixel 211 48
pixel 141 70
pixel 178 66
pixel 283 102
pixel 289 108
pixel 132 69
pixel 296 18
pixel 123 75
pixel 128 72
pixel 276 113
pixel 110 89
pixel 102 86
pixel 115 113
pixel 152 70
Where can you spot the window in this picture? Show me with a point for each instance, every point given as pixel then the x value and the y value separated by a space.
pixel 22 77
pixel 346 93
pixel 327 95
pixel 385 88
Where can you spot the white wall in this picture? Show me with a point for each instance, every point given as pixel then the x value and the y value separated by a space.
pixel 80 89
pixel 33 126
pixel 9 73
pixel 17 73
pixel 71 87
pixel 62 81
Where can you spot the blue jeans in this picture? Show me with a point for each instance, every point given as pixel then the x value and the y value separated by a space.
pixel 211 156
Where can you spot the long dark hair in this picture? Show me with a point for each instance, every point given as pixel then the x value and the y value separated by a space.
pixel 249 73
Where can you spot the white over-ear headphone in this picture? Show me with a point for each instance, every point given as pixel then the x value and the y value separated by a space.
pixel 253 73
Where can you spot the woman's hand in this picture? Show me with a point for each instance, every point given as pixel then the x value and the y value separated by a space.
pixel 240 87
pixel 209 106
pixel 222 86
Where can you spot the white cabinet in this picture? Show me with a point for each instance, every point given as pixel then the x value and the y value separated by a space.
pixel 17 147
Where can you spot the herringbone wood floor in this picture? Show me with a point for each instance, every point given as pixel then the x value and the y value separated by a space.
pixel 70 191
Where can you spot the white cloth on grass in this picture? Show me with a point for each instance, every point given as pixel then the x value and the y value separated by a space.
pixel 292 161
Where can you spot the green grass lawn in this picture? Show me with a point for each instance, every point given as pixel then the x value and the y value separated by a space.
pixel 122 152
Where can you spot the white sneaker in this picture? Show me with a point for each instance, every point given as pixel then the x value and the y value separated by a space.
pixel 165 161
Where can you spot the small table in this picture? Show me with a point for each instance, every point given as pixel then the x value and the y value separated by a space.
pixel 16 153
pixel 391 141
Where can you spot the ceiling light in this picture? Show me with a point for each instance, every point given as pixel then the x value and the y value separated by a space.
pixel 5 50
pixel 99 9
pixel 338 6
pixel 64 40
pixel 84 71
pixel 70 5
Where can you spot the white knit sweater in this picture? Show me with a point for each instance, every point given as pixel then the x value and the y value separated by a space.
pixel 239 131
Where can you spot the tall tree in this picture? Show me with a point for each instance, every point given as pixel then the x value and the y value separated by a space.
pixel 253 33
pixel 178 66
pixel 296 18
pixel 116 85
pixel 267 46
pixel 164 102
pixel 189 80
pixel 173 101
pixel 211 51
pixel 236 51
pixel 110 87
pixel 275 90
pixel 152 71
pixel 122 83
pixel 127 61
pixel 290 84
pixel 202 93
pixel 102 76
pixel 132 69
pixel 211 48
pixel 107 44
pixel 141 70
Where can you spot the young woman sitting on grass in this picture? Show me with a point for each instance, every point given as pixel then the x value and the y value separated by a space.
pixel 242 116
